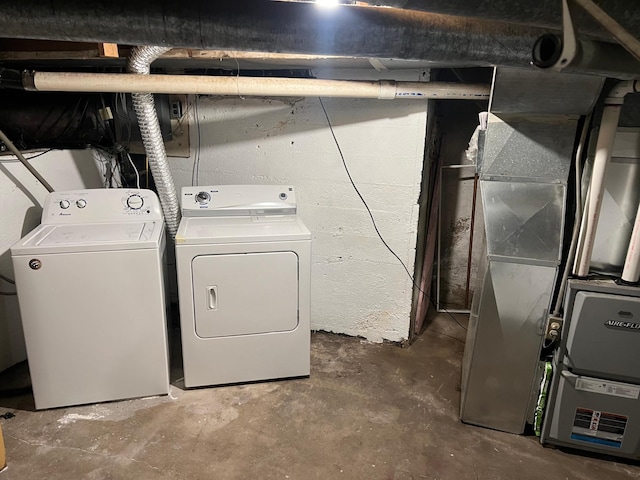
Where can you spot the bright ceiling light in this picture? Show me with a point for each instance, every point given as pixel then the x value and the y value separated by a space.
pixel 327 3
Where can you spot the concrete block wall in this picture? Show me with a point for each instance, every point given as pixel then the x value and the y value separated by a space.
pixel 358 287
pixel 21 197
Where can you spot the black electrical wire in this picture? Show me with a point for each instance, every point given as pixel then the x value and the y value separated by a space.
pixel 120 106
pixel 116 150
pixel 433 302
pixel 7 279
pixel 373 220
pixel 27 158
pixel 39 154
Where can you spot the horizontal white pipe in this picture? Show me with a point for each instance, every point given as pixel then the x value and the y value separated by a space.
pixel 250 86
pixel 631 271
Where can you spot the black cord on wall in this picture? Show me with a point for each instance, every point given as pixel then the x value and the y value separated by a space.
pixel 373 220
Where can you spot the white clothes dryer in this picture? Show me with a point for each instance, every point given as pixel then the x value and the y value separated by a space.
pixel 91 290
pixel 244 272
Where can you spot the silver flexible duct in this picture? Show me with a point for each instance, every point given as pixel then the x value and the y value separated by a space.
pixel 140 62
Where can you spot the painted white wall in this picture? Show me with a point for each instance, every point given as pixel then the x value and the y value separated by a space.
pixel 358 287
pixel 21 197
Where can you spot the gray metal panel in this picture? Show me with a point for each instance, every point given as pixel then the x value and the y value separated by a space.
pixel 619 207
pixel 483 279
pixel 600 286
pixel 565 429
pixel 524 220
pixel 555 422
pixel 598 348
pixel 525 91
pixel 505 340
pixel 533 149
pixel 630 114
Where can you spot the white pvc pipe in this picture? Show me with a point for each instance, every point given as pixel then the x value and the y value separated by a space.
pixel 574 246
pixel 604 148
pixel 250 86
pixel 631 271
pixel 24 161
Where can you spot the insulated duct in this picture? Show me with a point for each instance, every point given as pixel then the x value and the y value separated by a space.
pixel 446 33
pixel 143 103
pixel 599 58
pixel 268 26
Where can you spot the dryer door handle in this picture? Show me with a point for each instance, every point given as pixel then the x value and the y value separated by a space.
pixel 212 297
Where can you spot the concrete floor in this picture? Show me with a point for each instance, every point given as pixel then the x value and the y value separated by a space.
pixel 367 412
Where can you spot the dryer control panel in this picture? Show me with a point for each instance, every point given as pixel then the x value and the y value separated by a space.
pixel 238 200
pixel 101 205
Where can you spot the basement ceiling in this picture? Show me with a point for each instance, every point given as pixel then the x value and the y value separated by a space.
pixel 397 34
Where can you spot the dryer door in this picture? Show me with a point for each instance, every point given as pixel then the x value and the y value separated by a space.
pixel 245 294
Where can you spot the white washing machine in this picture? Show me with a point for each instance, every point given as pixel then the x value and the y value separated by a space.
pixel 91 291
pixel 244 272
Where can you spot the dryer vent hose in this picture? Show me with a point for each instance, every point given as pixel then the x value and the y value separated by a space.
pixel 140 62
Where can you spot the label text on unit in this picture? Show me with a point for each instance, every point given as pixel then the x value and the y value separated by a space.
pixel 622 325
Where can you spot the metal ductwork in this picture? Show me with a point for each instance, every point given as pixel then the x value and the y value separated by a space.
pixel 567 52
pixel 269 26
pixel 545 14
pixel 448 33
pixel 144 105
pixel 524 170
pixel 591 57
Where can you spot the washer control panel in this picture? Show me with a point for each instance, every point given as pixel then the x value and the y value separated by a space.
pixel 238 200
pixel 101 205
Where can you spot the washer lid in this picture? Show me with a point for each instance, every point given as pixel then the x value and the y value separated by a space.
pixel 199 230
pixel 90 238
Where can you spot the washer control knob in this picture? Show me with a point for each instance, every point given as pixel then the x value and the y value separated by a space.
pixel 203 197
pixel 135 202
pixel 81 203
pixel 283 196
pixel 64 204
